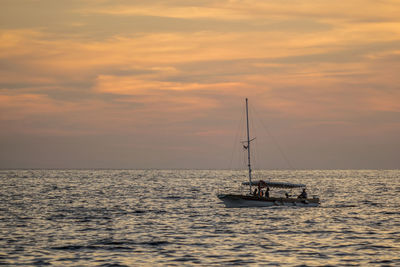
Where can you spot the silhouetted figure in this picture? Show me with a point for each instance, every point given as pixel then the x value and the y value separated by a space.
pixel 267 193
pixel 303 194
pixel 287 195
pixel 255 192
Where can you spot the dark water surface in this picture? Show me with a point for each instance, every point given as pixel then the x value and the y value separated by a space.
pixel 156 218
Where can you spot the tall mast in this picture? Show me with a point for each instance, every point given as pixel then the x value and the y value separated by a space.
pixel 248 143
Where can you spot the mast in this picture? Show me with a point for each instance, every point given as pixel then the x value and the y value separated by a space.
pixel 248 143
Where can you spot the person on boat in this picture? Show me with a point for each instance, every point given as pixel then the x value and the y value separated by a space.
pixel 255 193
pixel 260 192
pixel 303 194
pixel 267 193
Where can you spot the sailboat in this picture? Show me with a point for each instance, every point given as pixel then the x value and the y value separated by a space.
pixel 260 197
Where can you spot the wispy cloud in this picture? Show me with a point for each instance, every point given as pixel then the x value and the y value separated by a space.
pixel 182 67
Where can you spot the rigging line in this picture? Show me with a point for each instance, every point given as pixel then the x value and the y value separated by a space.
pixel 255 151
pixel 257 157
pixel 275 142
pixel 236 140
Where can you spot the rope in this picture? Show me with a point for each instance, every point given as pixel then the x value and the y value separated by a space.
pixel 238 129
pixel 275 142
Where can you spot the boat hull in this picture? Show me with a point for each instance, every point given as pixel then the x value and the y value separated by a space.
pixel 237 201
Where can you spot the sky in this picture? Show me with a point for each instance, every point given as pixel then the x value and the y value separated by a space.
pixel 162 84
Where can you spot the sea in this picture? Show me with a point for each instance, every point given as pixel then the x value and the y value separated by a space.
pixel 174 218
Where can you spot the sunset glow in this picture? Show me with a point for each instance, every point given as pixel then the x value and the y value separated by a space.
pixel 161 84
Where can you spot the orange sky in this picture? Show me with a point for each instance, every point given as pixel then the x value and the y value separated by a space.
pixel 161 84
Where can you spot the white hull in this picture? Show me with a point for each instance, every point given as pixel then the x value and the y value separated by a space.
pixel 238 201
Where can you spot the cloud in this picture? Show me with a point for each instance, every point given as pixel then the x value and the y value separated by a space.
pixel 230 10
pixel 127 85
pixel 178 70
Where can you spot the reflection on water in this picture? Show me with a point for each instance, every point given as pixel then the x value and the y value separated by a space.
pixel 135 218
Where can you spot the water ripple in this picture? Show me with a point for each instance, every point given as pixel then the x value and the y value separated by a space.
pixel 156 217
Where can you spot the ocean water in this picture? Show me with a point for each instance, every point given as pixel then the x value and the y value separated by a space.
pixel 173 218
